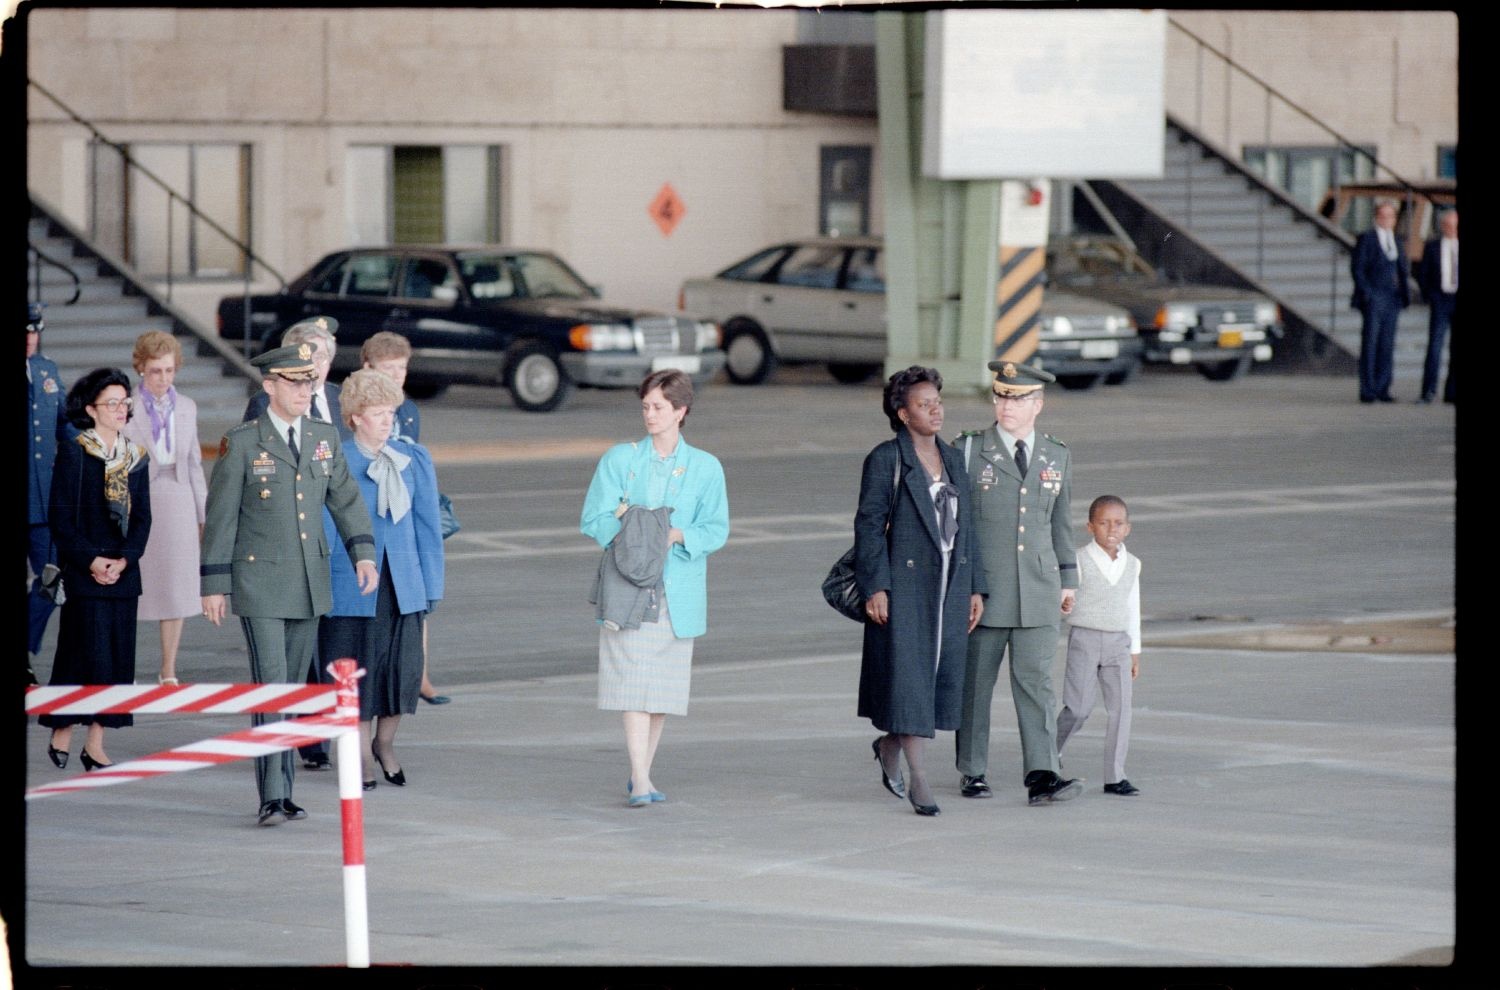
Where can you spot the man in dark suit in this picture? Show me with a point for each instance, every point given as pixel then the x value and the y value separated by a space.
pixel 47 428
pixel 1380 271
pixel 1438 278
pixel 263 542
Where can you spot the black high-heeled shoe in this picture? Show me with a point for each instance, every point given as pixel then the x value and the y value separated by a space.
pixel 369 785
pixel 897 786
pixel 922 809
pixel 398 778
pixel 59 757
pixel 89 763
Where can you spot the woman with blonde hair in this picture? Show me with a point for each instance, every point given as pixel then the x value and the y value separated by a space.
pixel 165 423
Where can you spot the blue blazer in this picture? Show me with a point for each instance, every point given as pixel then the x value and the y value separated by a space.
pixel 412 549
pixel 48 428
pixel 700 509
pixel 1376 276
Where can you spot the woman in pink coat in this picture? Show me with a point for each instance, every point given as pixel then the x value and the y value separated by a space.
pixel 166 424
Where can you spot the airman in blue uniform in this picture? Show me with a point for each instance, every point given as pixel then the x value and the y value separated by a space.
pixel 48 426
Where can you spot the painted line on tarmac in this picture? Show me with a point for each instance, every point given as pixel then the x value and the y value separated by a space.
pixel 503 451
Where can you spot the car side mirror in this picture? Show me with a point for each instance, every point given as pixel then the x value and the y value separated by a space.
pixel 445 293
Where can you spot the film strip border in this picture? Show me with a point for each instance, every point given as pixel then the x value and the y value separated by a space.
pixel 1018 298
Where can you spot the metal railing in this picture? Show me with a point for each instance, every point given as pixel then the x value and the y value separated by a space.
pixel 39 258
pixel 248 257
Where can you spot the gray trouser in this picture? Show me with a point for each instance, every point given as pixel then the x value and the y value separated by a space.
pixel 1098 659
pixel 281 651
pixel 1031 651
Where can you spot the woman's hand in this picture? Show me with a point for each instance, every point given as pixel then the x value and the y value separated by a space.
pixel 976 609
pixel 674 535
pixel 105 570
pixel 878 608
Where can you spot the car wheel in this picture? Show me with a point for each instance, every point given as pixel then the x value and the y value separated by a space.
pixel 1078 383
pixel 536 380
pixel 853 374
pixel 424 389
pixel 747 354
pixel 1226 371
pixel 1123 375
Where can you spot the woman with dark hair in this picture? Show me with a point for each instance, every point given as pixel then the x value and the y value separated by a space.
pixel 100 512
pixel 645 661
pixel 917 563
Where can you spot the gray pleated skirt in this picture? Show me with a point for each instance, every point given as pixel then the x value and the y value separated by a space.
pixel 646 669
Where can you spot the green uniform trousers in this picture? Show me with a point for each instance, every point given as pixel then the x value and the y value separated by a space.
pixel 1032 650
pixel 281 651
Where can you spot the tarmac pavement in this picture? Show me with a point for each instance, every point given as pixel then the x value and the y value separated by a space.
pixel 1298 778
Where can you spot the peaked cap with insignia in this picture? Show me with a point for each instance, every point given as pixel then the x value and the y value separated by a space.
pixel 1018 379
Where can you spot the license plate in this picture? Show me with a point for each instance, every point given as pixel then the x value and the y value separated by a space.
pixel 1099 349
pixel 1231 338
pixel 689 363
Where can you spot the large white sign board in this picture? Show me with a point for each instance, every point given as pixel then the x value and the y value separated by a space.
pixel 1058 93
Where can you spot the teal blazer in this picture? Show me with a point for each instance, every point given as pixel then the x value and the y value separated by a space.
pixel 700 507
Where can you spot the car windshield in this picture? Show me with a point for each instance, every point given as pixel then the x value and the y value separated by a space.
pixel 1088 263
pixel 505 276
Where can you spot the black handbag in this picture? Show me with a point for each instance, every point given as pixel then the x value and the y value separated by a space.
pixel 839 588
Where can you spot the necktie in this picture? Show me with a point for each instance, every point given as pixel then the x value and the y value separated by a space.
pixel 316 412
pixel 1021 457
pixel 291 441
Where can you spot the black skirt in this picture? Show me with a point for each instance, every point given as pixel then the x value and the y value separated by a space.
pixel 95 645
pixel 388 648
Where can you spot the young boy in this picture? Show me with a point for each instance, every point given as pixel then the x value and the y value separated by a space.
pixel 1105 637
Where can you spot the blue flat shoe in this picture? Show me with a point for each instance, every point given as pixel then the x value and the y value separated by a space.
pixel 638 800
pixel 656 796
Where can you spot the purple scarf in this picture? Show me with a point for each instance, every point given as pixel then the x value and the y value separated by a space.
pixel 160 411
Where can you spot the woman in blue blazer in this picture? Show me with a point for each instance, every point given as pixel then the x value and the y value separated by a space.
pixel 645 672
pixel 383 631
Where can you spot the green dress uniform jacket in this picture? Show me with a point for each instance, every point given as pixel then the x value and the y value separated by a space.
pixel 263 541
pixel 1025 528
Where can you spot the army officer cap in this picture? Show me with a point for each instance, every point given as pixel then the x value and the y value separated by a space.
pixel 1013 379
pixel 293 362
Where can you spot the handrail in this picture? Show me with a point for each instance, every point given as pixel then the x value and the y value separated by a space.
pixel 42 256
pixel 1343 142
pixel 172 194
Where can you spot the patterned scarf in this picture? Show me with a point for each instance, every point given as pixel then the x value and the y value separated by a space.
pixel 392 499
pixel 160 411
pixel 945 500
pixel 118 463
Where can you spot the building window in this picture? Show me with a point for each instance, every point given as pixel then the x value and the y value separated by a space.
pixel 844 190
pixel 153 229
pixel 422 194
pixel 1307 174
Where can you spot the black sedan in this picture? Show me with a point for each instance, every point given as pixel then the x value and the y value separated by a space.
pixel 480 315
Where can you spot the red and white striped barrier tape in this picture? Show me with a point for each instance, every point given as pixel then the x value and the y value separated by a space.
pixel 262 740
pixel 208 699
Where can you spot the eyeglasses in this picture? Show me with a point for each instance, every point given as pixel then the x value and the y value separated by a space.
pixel 111 404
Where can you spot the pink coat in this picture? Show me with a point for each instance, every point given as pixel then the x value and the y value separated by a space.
pixel 169 567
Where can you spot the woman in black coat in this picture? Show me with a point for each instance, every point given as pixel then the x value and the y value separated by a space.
pixel 922 581
pixel 100 513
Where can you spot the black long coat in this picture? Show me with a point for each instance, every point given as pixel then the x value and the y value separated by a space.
pixel 82 527
pixel 901 689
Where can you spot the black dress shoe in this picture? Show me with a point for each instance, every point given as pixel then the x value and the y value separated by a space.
pixel 293 812
pixel 369 785
pixel 1425 400
pixel 974 787
pixel 270 814
pixel 89 763
pixel 59 757
pixel 1124 788
pixel 1367 399
pixel 398 778
pixel 435 699
pixel 922 809
pixel 1388 397
pixel 1044 787
pixel 319 761
pixel 897 786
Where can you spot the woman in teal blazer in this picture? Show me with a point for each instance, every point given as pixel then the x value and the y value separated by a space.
pixel 644 672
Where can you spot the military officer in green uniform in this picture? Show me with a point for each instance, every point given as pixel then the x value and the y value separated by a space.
pixel 1021 484
pixel 263 542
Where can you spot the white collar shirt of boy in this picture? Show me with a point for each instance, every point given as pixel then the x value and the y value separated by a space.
pixel 1113 570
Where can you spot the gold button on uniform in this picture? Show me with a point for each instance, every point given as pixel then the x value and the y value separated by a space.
pixel 251 558
pixel 1023 508
pixel 1020 547
pixel 301 515
pixel 1020 529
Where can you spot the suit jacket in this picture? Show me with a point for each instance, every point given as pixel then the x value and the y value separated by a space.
pixel 48 428
pixel 1375 275
pixel 408 421
pixel 410 550
pixel 187 463
pixel 1025 528
pixel 701 507
pixel 260 401
pixel 1430 270
pixel 83 529
pixel 263 540
pixel 903 687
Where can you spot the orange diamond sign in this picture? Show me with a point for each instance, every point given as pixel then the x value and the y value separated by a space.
pixel 667 209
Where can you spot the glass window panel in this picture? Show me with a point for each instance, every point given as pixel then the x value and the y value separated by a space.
pixel 866 270
pixel 815 266
pixel 468 194
pixel 371 275
pixel 107 202
pixel 367 195
pixel 754 268
pixel 417 182
pixel 149 211
pixel 220 191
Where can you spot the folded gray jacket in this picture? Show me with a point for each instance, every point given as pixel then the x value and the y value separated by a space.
pixel 628 587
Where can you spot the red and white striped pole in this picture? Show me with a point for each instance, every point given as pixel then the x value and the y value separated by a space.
pixel 351 806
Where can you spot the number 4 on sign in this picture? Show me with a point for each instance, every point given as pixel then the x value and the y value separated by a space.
pixel 667 209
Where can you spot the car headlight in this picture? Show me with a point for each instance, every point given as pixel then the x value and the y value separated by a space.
pixel 709 335
pixel 1117 324
pixel 1060 325
pixel 1267 313
pixel 602 337
pixel 1175 316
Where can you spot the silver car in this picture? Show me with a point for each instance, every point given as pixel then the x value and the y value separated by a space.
pixel 822 300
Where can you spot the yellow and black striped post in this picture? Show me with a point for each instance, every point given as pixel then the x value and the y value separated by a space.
pixel 1018 298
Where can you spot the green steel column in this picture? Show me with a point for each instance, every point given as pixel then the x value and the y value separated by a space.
pixel 941 238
